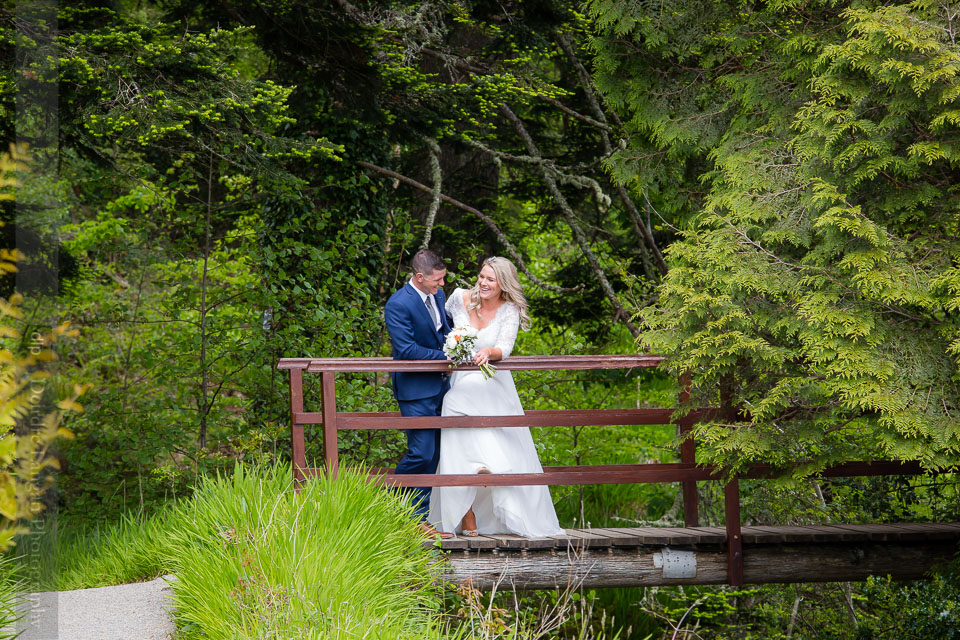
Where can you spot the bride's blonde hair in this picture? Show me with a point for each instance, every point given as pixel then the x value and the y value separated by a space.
pixel 510 288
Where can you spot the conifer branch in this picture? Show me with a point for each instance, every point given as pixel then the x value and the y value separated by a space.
pixel 571 221
pixel 483 217
pixel 579 116
pixel 775 259
pixel 459 63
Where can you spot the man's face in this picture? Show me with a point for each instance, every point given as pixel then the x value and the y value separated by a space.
pixel 429 283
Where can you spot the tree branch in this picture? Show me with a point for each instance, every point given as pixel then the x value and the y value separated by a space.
pixel 564 176
pixel 579 116
pixel 571 220
pixel 458 63
pixel 483 217
pixel 435 193
pixel 641 229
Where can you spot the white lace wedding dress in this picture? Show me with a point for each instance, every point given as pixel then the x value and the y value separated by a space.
pixel 526 510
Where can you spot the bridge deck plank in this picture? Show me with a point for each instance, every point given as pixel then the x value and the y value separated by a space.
pixel 590 538
pixel 753 534
pixel 510 541
pixel 561 542
pixel 663 535
pixel 450 544
pixel 479 542
pixel 931 530
pixel 912 531
pixel 692 536
pixel 837 533
pixel 880 532
pixel 622 537
pixel 643 535
pixel 711 535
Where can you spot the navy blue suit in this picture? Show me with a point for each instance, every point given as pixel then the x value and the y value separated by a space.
pixel 414 337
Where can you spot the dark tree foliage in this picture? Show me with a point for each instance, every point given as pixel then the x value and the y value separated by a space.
pixel 434 84
pixel 212 236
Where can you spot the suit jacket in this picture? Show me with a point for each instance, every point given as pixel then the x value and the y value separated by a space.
pixel 414 338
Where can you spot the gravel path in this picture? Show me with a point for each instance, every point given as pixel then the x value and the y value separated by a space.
pixel 137 611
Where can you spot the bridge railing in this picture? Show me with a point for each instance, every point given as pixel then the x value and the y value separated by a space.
pixel 687 471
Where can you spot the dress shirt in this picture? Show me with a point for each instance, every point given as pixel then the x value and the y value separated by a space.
pixel 428 300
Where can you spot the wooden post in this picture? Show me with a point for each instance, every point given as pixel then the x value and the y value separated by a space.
pixel 296 430
pixel 329 398
pixel 688 455
pixel 731 501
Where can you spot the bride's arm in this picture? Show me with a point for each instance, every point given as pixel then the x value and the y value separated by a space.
pixel 509 326
pixel 508 331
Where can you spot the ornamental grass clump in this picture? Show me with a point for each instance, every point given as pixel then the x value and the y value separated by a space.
pixel 10 589
pixel 341 559
pixel 135 549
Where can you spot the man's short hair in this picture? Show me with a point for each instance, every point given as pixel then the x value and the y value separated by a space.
pixel 426 262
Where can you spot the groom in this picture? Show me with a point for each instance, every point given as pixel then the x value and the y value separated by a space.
pixel 418 325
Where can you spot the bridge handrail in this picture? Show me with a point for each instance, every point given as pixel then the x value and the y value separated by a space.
pixel 687 472
pixel 513 363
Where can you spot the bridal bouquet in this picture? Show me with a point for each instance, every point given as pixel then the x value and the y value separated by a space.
pixel 459 347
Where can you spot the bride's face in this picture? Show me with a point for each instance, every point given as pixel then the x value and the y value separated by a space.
pixel 487 282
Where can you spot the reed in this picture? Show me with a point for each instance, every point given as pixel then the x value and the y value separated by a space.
pixel 135 549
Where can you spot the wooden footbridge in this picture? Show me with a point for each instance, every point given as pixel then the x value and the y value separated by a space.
pixel 733 554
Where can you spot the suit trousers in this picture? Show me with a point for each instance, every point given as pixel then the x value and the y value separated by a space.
pixel 423 447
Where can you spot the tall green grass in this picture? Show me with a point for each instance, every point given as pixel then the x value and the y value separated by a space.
pixel 254 559
pixel 341 559
pixel 10 588
pixel 135 549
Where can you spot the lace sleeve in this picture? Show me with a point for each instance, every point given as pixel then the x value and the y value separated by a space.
pixel 453 302
pixel 509 325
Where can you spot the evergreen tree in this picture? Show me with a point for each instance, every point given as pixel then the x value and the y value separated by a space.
pixel 816 291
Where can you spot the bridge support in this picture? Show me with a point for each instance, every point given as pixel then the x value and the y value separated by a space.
pixel 688 455
pixel 645 566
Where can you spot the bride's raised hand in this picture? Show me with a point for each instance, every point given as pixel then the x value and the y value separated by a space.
pixel 484 356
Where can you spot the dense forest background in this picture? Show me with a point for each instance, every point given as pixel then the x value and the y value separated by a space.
pixel 768 192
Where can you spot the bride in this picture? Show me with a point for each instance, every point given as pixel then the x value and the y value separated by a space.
pixel 496 308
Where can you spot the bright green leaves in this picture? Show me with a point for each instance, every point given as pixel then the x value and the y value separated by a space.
pixel 166 90
pixel 883 99
pixel 901 43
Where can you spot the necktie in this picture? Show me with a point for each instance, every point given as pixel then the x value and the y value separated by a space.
pixel 432 310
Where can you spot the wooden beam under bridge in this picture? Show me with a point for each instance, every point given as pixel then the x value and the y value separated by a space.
pixel 595 558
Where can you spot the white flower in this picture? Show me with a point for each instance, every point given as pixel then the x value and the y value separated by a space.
pixel 459 347
pixel 459 344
